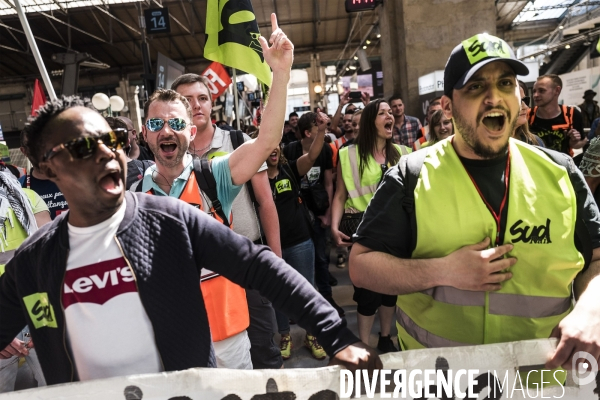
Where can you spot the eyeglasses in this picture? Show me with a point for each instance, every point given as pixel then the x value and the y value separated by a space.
pixel 84 147
pixel 526 100
pixel 156 124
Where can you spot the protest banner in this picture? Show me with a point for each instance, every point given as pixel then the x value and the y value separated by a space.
pixel 199 384
pixel 440 373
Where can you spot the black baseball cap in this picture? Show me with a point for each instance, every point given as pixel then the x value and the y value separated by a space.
pixel 472 54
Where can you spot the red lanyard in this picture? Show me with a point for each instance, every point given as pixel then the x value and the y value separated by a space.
pixel 498 216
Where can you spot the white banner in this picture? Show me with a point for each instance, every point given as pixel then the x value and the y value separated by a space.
pixel 199 384
pixel 418 374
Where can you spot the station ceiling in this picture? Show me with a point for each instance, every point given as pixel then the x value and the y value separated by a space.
pixel 109 31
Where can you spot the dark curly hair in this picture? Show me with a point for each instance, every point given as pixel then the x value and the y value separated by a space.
pixel 33 139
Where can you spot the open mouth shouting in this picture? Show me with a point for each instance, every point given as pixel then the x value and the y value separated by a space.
pixel 168 148
pixel 388 126
pixel 111 181
pixel 494 121
pixel 274 157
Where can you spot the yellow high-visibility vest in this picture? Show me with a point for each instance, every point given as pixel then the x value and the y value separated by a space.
pixel 361 188
pixel 540 224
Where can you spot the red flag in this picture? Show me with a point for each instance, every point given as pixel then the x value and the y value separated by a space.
pixel 39 98
pixel 218 79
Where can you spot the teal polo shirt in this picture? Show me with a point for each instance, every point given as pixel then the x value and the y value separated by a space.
pixel 219 166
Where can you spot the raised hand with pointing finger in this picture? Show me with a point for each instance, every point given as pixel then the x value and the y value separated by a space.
pixel 280 54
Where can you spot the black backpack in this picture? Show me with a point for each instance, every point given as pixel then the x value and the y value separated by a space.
pixel 410 169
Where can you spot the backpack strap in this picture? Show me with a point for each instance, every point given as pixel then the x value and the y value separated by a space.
pixel 237 139
pixel 410 169
pixel 581 232
pixel 531 115
pixel 208 185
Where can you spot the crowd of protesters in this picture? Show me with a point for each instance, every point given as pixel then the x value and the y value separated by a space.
pixel 303 187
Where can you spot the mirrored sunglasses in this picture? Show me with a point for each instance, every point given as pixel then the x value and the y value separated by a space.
pixel 84 147
pixel 156 124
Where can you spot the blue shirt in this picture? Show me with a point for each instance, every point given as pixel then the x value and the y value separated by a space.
pixel 226 190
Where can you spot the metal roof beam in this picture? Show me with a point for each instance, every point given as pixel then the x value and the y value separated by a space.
pixel 36 37
pixel 100 25
pixel 56 30
pixel 118 20
pixel 73 27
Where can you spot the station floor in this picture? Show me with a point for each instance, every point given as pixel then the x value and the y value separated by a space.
pixel 301 356
pixel 342 294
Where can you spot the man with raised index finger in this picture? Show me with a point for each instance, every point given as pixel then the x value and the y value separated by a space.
pixel 110 287
pixel 492 258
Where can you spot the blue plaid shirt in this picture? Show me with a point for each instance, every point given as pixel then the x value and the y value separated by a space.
pixel 408 133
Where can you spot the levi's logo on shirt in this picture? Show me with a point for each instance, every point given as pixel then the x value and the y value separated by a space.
pixel 98 283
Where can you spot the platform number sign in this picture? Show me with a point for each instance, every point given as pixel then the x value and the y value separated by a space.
pixel 361 5
pixel 157 21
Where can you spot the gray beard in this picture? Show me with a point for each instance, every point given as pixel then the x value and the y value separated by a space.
pixel 469 135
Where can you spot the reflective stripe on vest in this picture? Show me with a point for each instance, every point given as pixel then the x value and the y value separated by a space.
pixel 225 302
pixel 538 296
pixel 361 189
pixel 419 143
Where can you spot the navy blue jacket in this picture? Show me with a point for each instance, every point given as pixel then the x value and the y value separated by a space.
pixel 166 242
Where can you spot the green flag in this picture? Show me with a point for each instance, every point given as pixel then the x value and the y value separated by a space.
pixel 232 37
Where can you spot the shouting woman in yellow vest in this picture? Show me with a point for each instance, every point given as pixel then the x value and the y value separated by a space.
pixel 359 172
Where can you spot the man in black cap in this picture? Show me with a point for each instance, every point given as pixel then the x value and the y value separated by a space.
pixel 482 250
pixel 589 108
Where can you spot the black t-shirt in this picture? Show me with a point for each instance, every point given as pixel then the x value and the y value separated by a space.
pixel 293 222
pixel 135 171
pixel 48 191
pixel 557 139
pixel 293 151
pixel 489 175
pixel 386 226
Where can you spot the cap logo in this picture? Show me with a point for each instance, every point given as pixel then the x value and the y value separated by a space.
pixel 482 46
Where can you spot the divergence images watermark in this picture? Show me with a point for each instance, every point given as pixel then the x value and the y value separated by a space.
pixel 445 383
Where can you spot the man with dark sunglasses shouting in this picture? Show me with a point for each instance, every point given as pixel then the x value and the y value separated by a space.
pixel 110 286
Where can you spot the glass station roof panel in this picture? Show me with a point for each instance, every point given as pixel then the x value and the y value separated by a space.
pixel 7 8
pixel 537 10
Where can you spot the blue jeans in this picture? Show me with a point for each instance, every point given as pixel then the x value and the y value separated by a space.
pixel 10 367
pixel 301 257
pixel 321 259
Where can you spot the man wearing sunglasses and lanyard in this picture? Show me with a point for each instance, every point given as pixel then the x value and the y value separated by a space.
pixel 111 287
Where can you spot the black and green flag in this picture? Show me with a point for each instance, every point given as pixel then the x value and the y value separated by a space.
pixel 232 37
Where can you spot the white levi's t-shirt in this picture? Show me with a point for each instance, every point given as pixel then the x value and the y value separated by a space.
pixel 108 330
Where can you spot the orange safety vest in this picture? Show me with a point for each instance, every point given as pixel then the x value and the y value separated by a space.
pixel 419 142
pixel 568 125
pixel 340 142
pixel 225 302
pixel 567 112
pixel 334 158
